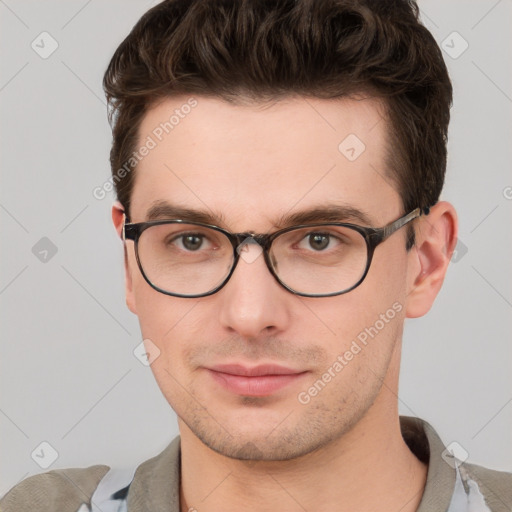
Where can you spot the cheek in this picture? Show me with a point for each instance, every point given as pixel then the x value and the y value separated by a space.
pixel 163 319
pixel 166 323
pixel 157 312
pixel 386 282
pixel 371 314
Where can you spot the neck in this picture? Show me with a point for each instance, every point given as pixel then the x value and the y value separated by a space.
pixel 369 468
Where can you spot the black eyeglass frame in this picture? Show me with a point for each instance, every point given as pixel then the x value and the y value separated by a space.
pixel 373 238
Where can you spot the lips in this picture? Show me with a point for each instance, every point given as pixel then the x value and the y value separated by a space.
pixel 261 380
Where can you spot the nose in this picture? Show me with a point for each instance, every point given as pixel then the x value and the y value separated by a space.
pixel 253 303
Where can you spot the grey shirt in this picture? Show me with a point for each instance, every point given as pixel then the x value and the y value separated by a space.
pixel 451 486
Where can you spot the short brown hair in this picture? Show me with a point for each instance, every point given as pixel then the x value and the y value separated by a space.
pixel 263 50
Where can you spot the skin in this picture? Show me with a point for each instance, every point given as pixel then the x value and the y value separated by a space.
pixel 252 164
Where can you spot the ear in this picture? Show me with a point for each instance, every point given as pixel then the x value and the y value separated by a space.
pixel 436 237
pixel 118 219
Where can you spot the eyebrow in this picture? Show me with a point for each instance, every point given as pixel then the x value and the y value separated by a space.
pixel 327 213
pixel 161 210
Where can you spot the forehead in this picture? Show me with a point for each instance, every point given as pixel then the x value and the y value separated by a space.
pixel 256 162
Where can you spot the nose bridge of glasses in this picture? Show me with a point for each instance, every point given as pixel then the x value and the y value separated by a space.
pixel 248 247
pixel 243 240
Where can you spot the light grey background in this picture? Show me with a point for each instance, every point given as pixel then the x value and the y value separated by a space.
pixel 68 373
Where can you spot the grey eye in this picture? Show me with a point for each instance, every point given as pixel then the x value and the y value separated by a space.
pixel 318 241
pixel 192 242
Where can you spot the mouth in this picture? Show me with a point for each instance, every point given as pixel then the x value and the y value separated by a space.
pixel 261 380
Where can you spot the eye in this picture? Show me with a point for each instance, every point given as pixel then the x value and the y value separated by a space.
pixel 190 242
pixel 318 241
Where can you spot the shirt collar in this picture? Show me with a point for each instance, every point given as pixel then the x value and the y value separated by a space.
pixel 156 482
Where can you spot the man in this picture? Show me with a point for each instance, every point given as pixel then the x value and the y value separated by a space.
pixel 278 167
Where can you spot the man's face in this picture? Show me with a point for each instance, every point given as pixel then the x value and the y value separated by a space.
pixel 251 166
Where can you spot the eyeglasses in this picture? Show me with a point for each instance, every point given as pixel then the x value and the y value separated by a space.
pixel 190 259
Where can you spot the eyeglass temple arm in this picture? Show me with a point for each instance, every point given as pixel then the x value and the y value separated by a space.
pixel 395 226
pixel 125 220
